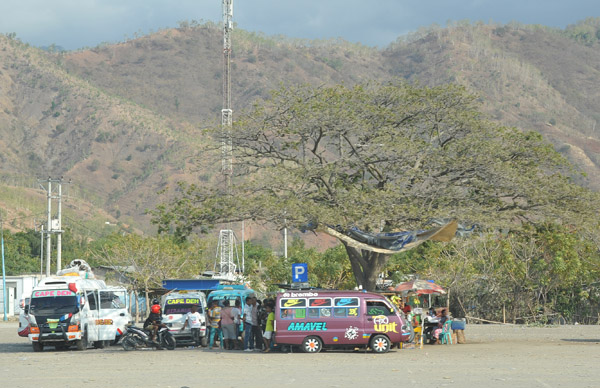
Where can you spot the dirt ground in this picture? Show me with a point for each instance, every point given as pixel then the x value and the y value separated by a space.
pixel 495 356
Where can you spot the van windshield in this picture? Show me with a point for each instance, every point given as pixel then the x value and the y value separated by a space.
pixel 54 305
pixel 180 309
pixel 225 300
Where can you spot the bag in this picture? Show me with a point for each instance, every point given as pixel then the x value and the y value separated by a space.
pixel 460 337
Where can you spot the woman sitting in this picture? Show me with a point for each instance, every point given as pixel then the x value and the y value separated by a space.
pixel 438 330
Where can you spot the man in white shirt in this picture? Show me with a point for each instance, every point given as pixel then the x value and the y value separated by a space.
pixel 194 319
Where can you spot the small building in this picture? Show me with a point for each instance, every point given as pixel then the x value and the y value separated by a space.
pixel 16 287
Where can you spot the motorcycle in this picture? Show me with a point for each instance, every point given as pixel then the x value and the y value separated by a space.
pixel 137 338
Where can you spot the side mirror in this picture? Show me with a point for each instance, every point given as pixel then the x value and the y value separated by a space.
pixel 26 309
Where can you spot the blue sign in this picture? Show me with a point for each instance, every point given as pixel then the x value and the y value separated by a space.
pixel 299 273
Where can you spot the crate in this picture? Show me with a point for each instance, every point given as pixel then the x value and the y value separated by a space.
pixel 459 324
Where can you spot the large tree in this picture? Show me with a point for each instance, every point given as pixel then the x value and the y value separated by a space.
pixel 380 157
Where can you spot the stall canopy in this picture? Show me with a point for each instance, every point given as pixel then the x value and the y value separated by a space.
pixel 419 287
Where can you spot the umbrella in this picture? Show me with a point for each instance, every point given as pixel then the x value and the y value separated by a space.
pixel 419 287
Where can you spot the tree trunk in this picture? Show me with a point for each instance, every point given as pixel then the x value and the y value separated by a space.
pixel 147 301
pixel 366 265
pixel 137 305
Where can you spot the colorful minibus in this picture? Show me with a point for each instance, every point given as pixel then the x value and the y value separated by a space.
pixel 227 294
pixel 344 319
pixel 175 307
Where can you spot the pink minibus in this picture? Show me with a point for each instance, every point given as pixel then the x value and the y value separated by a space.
pixel 345 319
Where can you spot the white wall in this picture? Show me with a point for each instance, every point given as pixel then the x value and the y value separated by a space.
pixel 15 287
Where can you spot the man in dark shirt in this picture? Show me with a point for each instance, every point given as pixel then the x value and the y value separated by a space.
pixel 153 322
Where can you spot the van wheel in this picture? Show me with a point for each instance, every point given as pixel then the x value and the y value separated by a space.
pixel 82 344
pixel 99 344
pixel 204 341
pixel 312 344
pixel 380 344
pixel 37 347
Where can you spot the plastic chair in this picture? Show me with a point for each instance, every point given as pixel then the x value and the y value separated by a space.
pixel 446 334
pixel 418 336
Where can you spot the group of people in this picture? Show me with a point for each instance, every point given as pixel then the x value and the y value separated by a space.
pixel 225 321
pixel 435 318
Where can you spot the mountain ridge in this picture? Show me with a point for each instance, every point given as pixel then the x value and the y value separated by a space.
pixel 126 120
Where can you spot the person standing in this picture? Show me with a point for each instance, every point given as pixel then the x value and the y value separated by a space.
pixel 214 316
pixel 236 313
pixel 227 326
pixel 193 320
pixel 269 328
pixel 256 329
pixel 249 313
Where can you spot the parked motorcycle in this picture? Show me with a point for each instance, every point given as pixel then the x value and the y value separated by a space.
pixel 137 338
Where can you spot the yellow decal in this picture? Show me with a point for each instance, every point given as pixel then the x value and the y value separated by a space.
pixel 381 324
pixel 184 301
pixel 292 302
pixel 104 321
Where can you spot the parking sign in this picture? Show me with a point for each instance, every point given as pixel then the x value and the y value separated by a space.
pixel 299 273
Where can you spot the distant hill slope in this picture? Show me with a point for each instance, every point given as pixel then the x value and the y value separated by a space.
pixel 528 76
pixel 52 123
pixel 125 120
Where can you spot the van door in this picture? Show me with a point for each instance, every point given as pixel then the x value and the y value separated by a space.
pixel 381 318
pixel 345 321
pixel 90 315
pixel 113 315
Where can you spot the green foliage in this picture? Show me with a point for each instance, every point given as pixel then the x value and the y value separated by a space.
pixel 94 165
pixel 329 269
pixel 532 274
pixel 19 253
pixel 22 251
pixel 149 260
pixel 382 153
pixel 586 31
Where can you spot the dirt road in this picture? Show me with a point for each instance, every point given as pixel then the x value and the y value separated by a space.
pixel 495 356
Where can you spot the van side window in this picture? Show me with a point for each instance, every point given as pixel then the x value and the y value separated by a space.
pixel 112 300
pixel 377 307
pixel 293 313
pixel 343 312
pixel 91 298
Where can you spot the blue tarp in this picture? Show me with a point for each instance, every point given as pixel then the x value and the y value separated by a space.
pixel 392 241
pixel 190 284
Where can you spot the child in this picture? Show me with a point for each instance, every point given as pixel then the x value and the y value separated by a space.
pixel 268 328
pixel 193 318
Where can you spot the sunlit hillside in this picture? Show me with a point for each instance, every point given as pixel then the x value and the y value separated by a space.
pixel 123 121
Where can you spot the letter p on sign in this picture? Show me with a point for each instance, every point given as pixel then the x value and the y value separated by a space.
pixel 299 273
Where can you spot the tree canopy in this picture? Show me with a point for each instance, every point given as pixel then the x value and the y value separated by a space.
pixel 382 156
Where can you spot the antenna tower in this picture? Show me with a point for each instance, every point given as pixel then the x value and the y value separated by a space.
pixel 227 240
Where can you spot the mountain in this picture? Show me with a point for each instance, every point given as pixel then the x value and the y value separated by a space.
pixel 124 121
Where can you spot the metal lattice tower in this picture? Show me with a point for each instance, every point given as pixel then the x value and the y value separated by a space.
pixel 225 252
pixel 227 240
pixel 227 112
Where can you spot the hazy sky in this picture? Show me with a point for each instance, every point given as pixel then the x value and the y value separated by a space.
pixel 77 23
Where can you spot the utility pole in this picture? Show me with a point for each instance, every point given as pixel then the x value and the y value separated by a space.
pixel 4 300
pixel 59 231
pixel 53 227
pixel 48 227
pixel 41 226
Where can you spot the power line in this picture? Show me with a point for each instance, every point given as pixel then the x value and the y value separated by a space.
pixel 22 217
pixel 84 227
